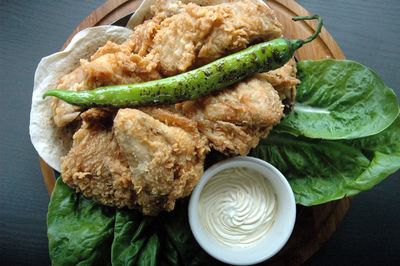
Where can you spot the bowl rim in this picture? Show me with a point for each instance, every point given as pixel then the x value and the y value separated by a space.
pixel 247 257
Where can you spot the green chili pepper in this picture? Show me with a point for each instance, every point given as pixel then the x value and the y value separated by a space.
pixel 196 83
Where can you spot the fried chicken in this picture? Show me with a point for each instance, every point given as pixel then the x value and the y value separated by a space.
pixel 166 161
pixel 96 166
pixel 136 160
pixel 64 113
pixel 112 64
pixel 235 119
pixel 147 158
pixel 199 34
pixel 283 80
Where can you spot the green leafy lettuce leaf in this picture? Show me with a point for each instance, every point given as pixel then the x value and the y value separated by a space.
pixel 339 99
pixel 129 237
pixel 79 230
pixel 321 170
pixel 178 231
pixel 83 232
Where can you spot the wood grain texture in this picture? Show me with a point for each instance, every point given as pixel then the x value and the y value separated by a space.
pixel 313 225
pixel 105 14
pixel 49 177
pixel 324 46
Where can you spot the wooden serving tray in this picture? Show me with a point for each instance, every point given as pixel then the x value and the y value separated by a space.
pixel 314 225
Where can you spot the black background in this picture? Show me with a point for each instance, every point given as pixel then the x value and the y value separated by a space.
pixel 368 31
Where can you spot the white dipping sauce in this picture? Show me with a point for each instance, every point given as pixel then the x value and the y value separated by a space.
pixel 237 207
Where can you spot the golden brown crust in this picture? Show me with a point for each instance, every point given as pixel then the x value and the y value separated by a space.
pixel 234 120
pixel 166 161
pixel 284 80
pixel 96 167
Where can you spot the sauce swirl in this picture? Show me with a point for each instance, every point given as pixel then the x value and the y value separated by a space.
pixel 237 207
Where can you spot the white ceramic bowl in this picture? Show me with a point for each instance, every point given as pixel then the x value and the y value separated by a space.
pixel 272 241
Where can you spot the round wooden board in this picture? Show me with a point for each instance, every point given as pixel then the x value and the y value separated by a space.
pixel 314 225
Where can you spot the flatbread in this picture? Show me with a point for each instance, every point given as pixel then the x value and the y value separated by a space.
pixel 49 141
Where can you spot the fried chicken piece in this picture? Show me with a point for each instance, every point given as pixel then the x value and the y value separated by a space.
pixel 118 68
pixel 283 80
pixel 231 139
pixel 166 161
pixel 96 167
pixel 140 162
pixel 142 38
pixel 175 45
pixel 199 34
pixel 101 118
pixel 235 119
pixel 112 64
pixel 64 113
pixel 243 23
pixel 249 103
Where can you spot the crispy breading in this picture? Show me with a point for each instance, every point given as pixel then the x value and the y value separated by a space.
pixel 136 161
pixel 166 161
pixel 235 119
pixel 238 27
pixel 64 113
pixel 111 64
pixel 199 34
pixel 283 80
pixel 96 166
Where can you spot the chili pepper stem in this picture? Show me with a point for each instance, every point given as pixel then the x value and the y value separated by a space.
pixel 317 31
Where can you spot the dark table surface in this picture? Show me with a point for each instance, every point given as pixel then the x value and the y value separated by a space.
pixel 367 30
